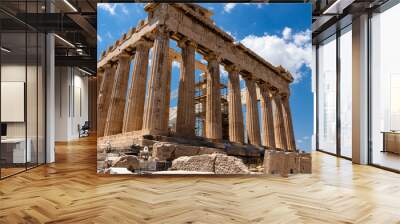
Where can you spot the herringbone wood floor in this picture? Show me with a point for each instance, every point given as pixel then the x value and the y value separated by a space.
pixel 70 191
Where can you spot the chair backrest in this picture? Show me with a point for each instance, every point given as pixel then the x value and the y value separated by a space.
pixel 86 125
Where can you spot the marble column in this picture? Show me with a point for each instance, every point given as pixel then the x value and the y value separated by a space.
pixel 213 105
pixel 267 116
pixel 185 117
pixel 235 114
pixel 103 99
pixel 133 117
pixel 279 126
pixel 115 115
pixel 154 112
pixel 167 95
pixel 291 144
pixel 252 120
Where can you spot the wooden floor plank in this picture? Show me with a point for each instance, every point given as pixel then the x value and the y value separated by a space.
pixel 70 191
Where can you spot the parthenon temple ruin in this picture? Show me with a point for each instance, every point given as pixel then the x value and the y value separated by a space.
pixel 136 110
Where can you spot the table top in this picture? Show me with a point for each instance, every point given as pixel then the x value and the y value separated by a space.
pixel 13 140
pixel 391 132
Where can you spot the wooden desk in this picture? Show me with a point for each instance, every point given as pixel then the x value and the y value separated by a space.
pixel 391 142
pixel 13 150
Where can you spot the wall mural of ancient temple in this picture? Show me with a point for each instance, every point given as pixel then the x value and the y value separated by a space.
pixel 210 134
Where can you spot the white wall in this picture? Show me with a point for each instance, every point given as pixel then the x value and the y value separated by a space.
pixel 71 102
pixel 16 73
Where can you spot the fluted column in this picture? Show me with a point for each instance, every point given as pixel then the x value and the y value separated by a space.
pixel 252 120
pixel 116 109
pixel 133 117
pixel 155 103
pixel 279 126
pixel 291 143
pixel 235 114
pixel 267 116
pixel 167 95
pixel 213 105
pixel 185 117
pixel 103 99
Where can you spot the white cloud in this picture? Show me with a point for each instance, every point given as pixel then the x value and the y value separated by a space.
pixel 124 9
pixel 287 33
pixel 299 141
pixel 302 37
pixel 112 8
pixel 109 7
pixel 292 51
pixel 229 6
pixel 99 39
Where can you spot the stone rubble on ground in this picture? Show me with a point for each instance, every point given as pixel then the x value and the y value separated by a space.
pixel 216 163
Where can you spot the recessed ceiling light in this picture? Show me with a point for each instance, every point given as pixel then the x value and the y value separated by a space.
pixel 84 71
pixel 64 40
pixel 70 5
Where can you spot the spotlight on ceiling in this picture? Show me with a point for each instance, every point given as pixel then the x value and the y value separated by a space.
pixel 5 50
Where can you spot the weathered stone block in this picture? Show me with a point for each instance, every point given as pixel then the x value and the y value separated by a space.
pixel 201 163
pixel 286 163
pixel 229 165
pixel 305 165
pixel 163 151
pixel 185 150
pixel 168 151
pixel 214 163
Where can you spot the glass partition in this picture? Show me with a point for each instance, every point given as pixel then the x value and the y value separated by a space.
pixel 22 88
pixel 14 153
pixel 346 92
pixel 385 89
pixel 327 95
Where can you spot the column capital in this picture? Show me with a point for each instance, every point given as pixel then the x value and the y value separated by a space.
pixel 161 30
pixel 124 54
pixel 249 79
pixel 101 69
pixel 143 44
pixel 109 64
pixel 213 56
pixel 184 42
pixel 232 68
pixel 284 95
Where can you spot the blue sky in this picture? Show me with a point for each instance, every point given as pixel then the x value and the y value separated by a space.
pixel 280 33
